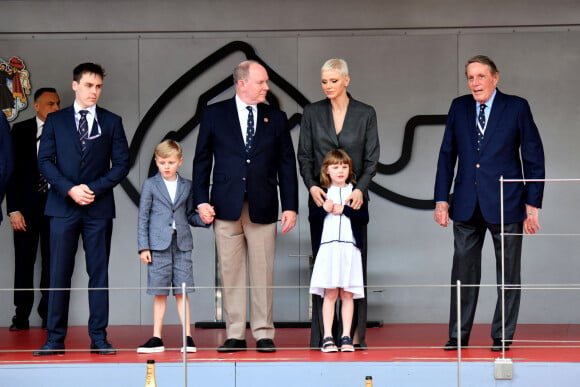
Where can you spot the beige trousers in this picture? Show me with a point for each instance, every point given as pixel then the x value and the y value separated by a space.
pixel 245 248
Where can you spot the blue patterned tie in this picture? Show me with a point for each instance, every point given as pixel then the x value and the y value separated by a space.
pixel 481 125
pixel 83 129
pixel 250 132
pixel 481 117
pixel 42 182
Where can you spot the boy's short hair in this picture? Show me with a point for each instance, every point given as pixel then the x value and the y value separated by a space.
pixel 168 148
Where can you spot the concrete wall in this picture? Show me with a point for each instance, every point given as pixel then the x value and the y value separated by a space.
pixel 406 59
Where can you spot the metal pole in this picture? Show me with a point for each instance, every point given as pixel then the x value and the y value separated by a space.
pixel 458 333
pixel 218 287
pixel 502 269
pixel 184 332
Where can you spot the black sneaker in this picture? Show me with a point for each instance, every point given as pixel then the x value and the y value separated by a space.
pixel 189 345
pixel 153 345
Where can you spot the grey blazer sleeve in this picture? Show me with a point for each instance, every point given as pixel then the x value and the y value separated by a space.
pixel 145 203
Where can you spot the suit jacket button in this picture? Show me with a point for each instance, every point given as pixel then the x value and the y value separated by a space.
pixel 248 161
pixel 476 165
pixel 243 179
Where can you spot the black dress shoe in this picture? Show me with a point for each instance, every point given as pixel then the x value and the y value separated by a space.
pixel 360 347
pixel 497 345
pixel 102 347
pixel 451 345
pixel 19 325
pixel 233 345
pixel 50 348
pixel 265 345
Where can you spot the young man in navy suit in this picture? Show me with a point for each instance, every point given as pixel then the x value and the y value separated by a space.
pixel 248 144
pixel 25 203
pixel 83 155
pixel 485 134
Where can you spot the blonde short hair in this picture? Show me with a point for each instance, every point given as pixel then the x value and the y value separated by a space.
pixel 336 64
pixel 167 148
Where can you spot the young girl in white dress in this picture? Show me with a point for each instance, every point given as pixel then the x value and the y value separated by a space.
pixel 337 269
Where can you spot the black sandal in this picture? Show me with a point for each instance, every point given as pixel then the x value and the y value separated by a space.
pixel 346 344
pixel 328 345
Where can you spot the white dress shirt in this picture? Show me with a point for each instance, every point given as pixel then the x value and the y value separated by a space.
pixel 243 116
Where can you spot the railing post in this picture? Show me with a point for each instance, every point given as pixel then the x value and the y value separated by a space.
pixel 184 331
pixel 458 290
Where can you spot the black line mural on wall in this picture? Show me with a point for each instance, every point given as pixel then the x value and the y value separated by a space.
pixel 294 121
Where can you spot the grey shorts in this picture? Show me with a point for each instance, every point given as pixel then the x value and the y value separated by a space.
pixel 169 268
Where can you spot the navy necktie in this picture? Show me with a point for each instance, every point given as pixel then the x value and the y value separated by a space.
pixel 250 132
pixel 480 125
pixel 83 129
pixel 481 118
pixel 42 182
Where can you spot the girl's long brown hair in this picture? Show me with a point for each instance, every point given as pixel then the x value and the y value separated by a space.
pixel 335 156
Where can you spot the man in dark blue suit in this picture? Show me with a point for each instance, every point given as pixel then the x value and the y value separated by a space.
pixel 6 162
pixel 485 134
pixel 83 155
pixel 249 146
pixel 25 203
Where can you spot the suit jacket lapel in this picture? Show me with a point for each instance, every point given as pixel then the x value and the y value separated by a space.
pixel 471 126
pixel 234 123
pixel 329 127
pixel 494 119
pixel 349 125
pixel 262 125
pixel 31 140
pixel 160 184
pixel 71 127
pixel 180 190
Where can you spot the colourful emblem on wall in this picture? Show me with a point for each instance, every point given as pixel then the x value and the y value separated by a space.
pixel 14 86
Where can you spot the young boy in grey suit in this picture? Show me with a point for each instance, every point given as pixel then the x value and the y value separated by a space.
pixel 164 238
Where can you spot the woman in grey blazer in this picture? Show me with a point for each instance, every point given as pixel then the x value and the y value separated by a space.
pixel 338 122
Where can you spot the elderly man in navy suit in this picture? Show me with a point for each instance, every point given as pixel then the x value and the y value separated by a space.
pixel 249 145
pixel 6 162
pixel 83 154
pixel 25 203
pixel 485 134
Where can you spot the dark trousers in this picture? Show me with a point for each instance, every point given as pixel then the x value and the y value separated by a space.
pixel 469 237
pixel 25 252
pixel 359 319
pixel 96 236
